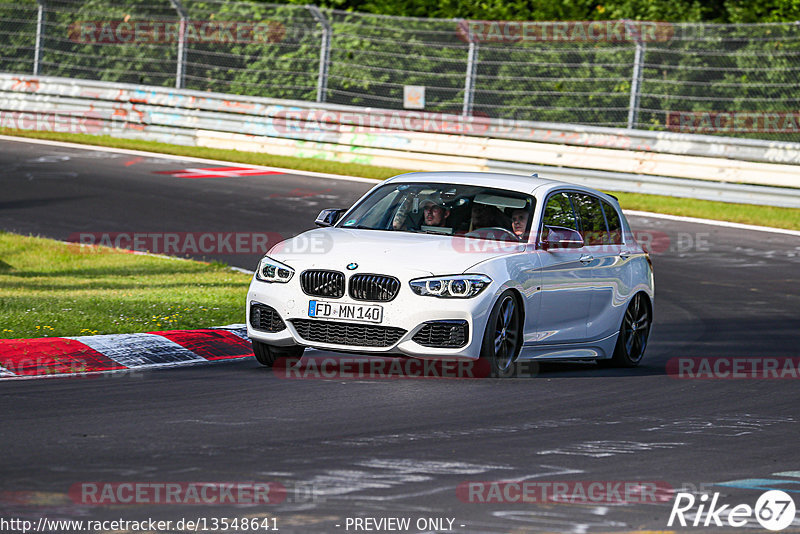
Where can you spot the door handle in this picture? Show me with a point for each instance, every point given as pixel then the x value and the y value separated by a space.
pixel 624 254
pixel 586 258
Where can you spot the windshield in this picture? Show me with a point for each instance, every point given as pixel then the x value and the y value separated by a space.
pixel 448 209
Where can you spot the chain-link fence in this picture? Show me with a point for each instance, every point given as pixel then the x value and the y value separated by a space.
pixel 715 79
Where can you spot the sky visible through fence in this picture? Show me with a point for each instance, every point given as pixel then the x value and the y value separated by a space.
pixel 736 80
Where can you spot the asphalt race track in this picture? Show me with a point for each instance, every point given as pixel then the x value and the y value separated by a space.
pixel 401 448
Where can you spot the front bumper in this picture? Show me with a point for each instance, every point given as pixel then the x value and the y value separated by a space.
pixel 408 311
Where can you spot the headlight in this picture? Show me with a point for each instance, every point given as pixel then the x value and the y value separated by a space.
pixel 455 286
pixel 270 270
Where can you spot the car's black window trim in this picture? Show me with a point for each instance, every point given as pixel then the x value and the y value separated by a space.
pixel 582 227
pixel 603 204
pixel 550 195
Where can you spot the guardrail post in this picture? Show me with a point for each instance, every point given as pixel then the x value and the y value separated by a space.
pixel 37 47
pixel 180 69
pixel 636 81
pixel 472 72
pixel 324 52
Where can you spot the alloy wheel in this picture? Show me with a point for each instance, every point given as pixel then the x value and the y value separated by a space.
pixel 636 328
pixel 506 334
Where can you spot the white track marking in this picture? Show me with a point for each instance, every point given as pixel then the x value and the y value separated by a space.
pixel 724 224
pixel 140 350
pixel 602 449
pixel 720 426
pixel 235 329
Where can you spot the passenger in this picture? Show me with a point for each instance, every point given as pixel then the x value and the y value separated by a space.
pixel 486 216
pixel 519 221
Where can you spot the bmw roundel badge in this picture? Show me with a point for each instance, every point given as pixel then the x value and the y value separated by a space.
pixel 352 266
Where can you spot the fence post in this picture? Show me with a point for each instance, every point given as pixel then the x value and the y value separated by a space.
pixel 180 69
pixel 636 81
pixel 472 72
pixel 324 52
pixel 37 48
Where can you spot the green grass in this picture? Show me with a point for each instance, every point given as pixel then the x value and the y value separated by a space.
pixel 707 209
pixel 48 288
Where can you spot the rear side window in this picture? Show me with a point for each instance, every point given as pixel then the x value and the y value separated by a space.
pixel 593 224
pixel 614 224
pixel 558 212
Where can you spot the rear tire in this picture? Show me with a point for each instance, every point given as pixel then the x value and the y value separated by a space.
pixel 267 354
pixel 633 334
pixel 503 336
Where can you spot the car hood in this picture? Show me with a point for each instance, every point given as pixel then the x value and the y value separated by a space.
pixel 380 252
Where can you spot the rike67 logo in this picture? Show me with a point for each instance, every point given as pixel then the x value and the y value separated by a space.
pixel 774 510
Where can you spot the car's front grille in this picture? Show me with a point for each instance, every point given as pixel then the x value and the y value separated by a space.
pixel 319 283
pixel 356 335
pixel 374 287
pixel 263 317
pixel 443 334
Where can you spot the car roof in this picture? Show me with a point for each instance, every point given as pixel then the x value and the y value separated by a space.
pixel 511 182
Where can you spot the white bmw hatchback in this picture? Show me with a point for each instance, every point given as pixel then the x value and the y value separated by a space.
pixel 460 265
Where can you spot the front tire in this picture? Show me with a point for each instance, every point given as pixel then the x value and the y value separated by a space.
pixel 503 336
pixel 633 334
pixel 266 355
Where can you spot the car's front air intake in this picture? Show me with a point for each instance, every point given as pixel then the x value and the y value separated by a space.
pixel 265 318
pixel 374 287
pixel 356 335
pixel 443 334
pixel 319 283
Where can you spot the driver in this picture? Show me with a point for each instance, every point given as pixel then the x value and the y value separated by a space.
pixel 434 213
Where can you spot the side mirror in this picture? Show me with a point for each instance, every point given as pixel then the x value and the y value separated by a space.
pixel 329 217
pixel 560 237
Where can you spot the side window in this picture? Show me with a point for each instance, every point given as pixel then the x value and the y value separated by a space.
pixel 614 224
pixel 558 212
pixel 593 224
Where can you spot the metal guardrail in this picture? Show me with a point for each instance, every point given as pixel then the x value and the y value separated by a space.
pixel 399 149
pixel 410 140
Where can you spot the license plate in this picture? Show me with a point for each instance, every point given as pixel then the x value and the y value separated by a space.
pixel 346 312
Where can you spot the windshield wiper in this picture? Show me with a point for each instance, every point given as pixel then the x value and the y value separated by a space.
pixel 361 227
